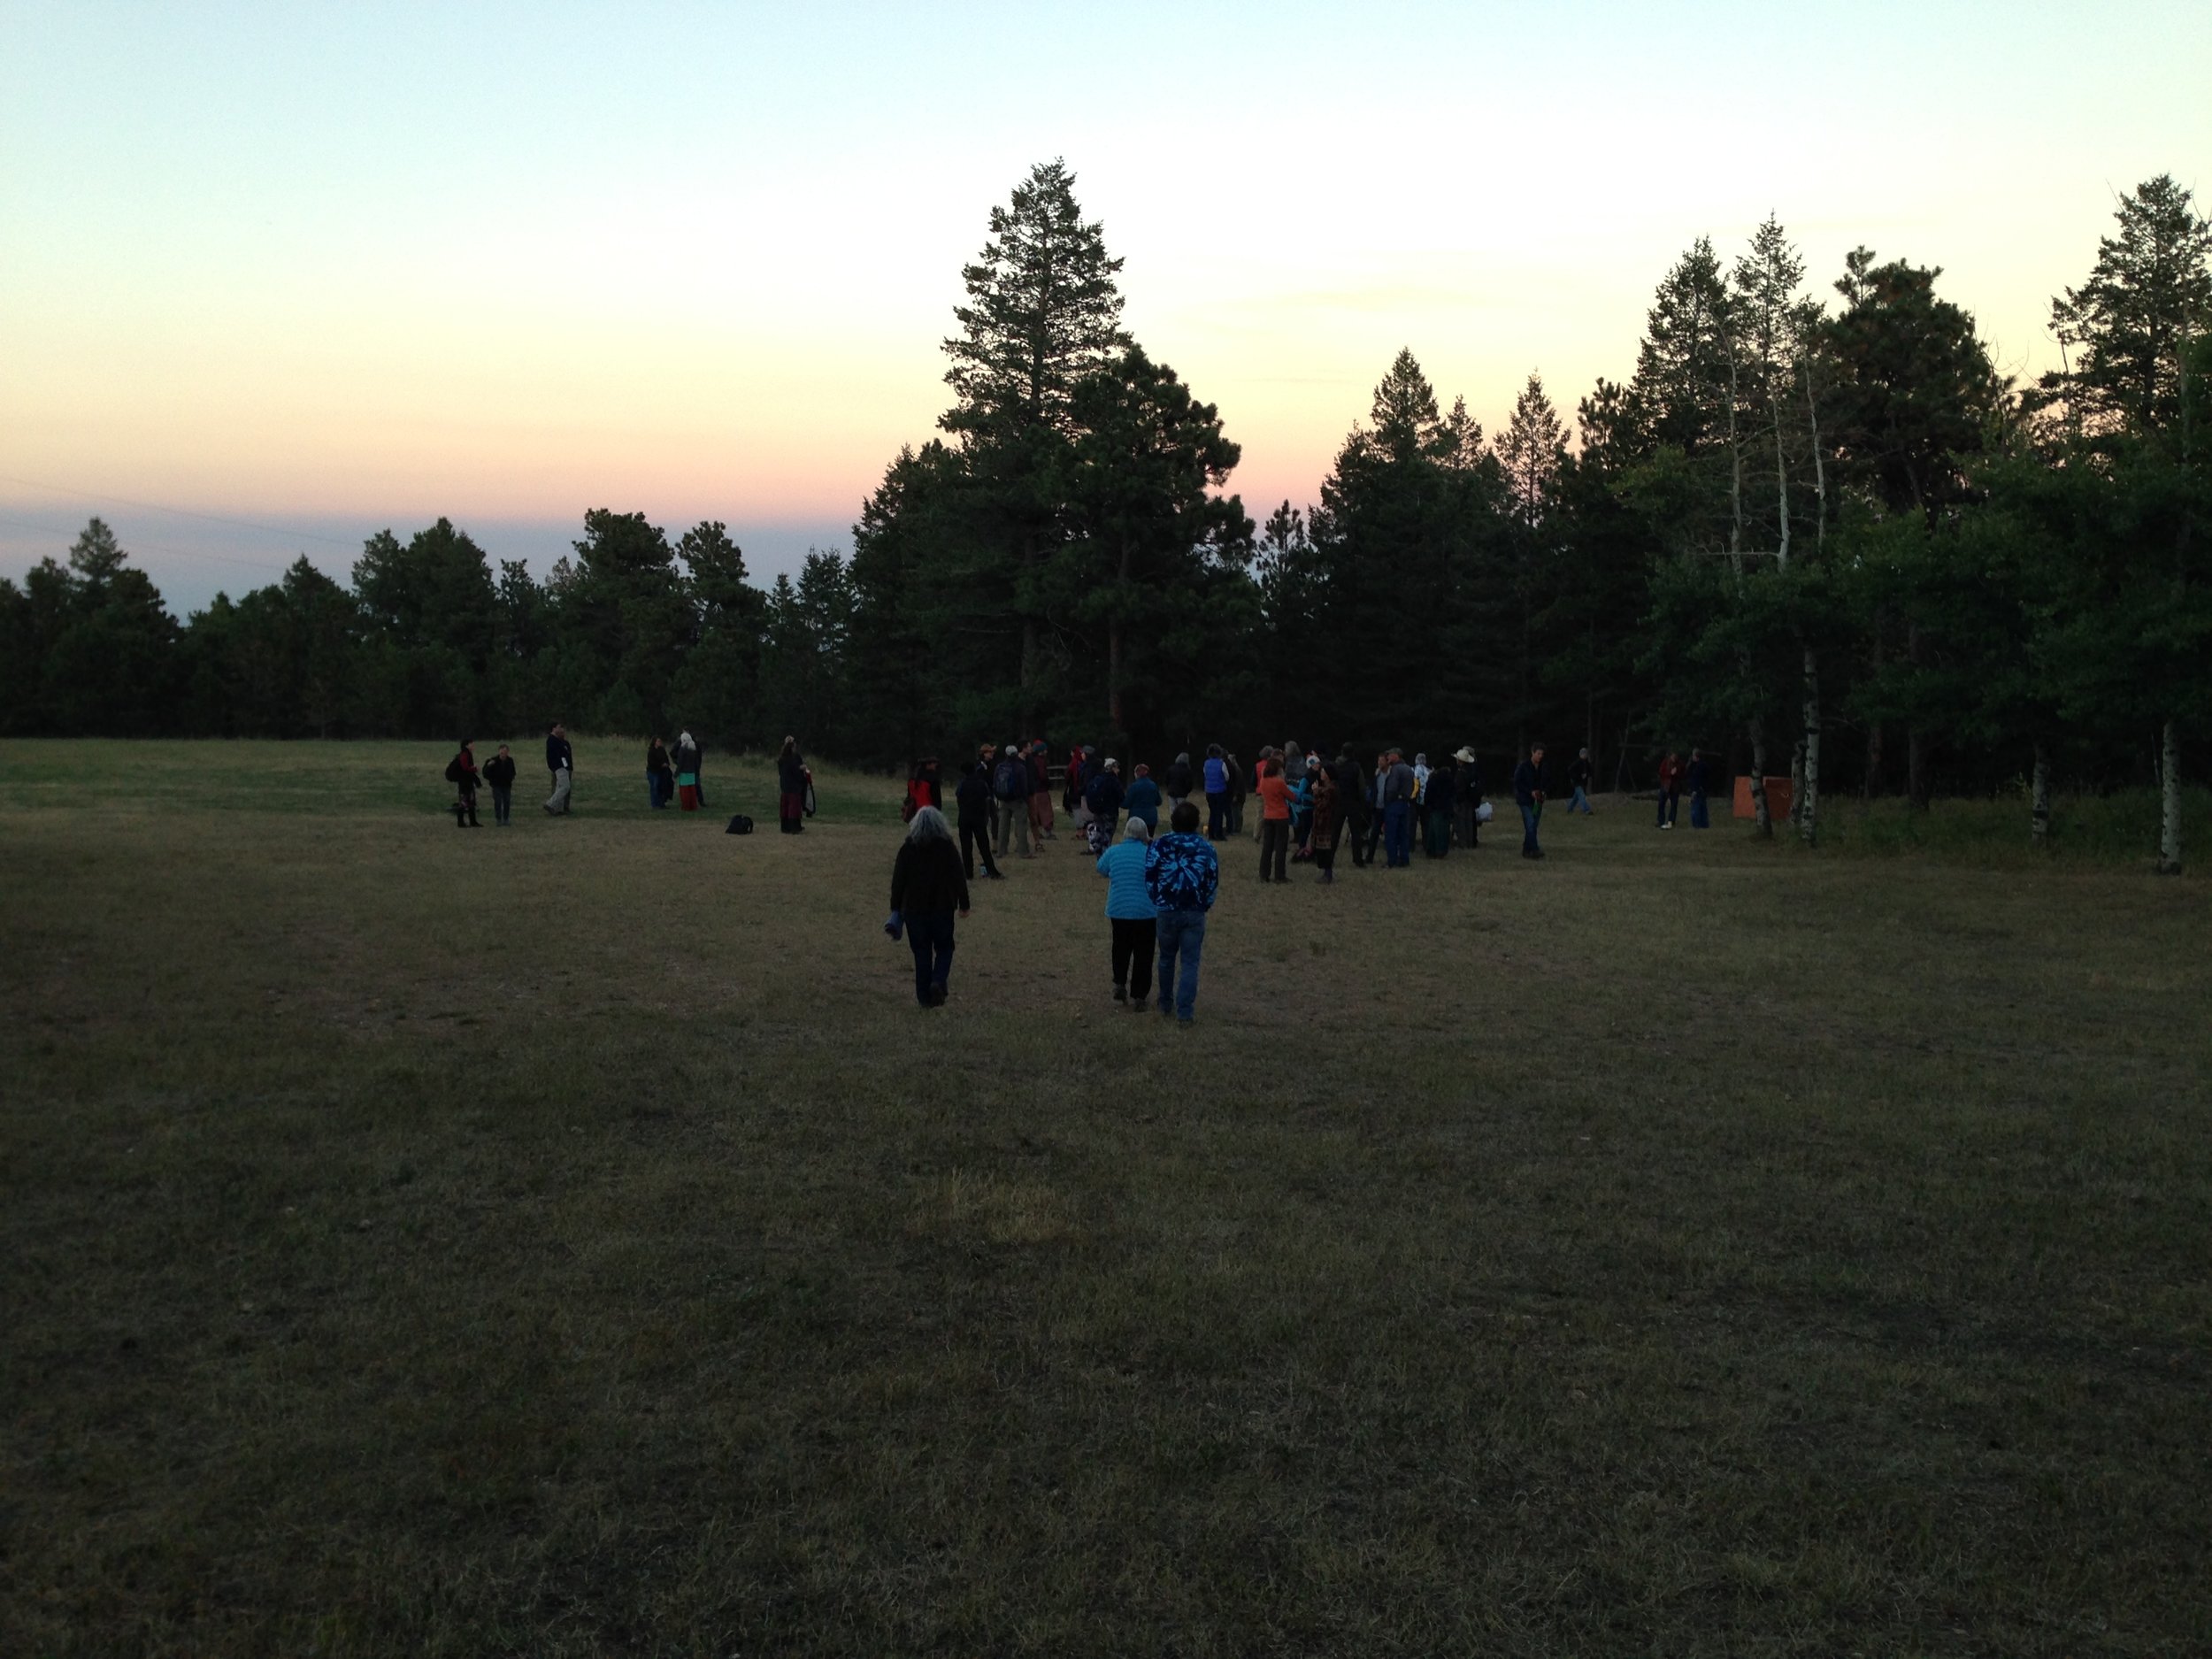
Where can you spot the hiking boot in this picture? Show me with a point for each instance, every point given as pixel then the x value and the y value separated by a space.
pixel 1121 993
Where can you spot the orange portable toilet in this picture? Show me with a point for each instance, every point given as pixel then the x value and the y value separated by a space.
pixel 1777 798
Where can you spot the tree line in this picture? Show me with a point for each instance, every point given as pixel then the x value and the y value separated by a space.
pixel 1818 534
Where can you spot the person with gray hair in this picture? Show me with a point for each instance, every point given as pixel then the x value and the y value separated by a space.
pixel 1130 915
pixel 927 890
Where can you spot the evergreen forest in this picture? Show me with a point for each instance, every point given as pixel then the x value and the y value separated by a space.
pixel 1813 529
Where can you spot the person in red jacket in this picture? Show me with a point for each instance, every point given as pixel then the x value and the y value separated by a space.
pixel 1670 789
pixel 1274 793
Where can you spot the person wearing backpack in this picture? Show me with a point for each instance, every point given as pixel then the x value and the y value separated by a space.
pixel 460 771
pixel 1103 795
pixel 972 795
pixel 1009 783
pixel 499 772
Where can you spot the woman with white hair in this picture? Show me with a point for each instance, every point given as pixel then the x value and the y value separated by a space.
pixel 927 890
pixel 1130 914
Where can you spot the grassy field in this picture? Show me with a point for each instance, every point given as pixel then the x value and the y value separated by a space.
pixel 570 1240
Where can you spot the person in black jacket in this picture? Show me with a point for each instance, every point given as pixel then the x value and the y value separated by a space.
pixel 660 774
pixel 499 772
pixel 927 890
pixel 1578 774
pixel 560 760
pixel 1528 794
pixel 791 779
pixel 972 795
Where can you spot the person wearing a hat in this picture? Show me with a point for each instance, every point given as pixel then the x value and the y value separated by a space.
pixel 1467 796
pixel 1578 776
pixel 1130 915
pixel 1103 795
pixel 1010 782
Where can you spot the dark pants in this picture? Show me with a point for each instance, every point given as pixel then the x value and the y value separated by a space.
pixel 930 939
pixel 1697 818
pixel 1438 831
pixel 976 838
pixel 1368 832
pixel 1134 941
pixel 1668 799
pixel 1324 860
pixel 1216 818
pixel 1398 834
pixel 1274 849
pixel 503 803
pixel 464 809
pixel 1531 814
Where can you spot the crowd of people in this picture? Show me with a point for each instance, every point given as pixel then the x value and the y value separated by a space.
pixel 1161 886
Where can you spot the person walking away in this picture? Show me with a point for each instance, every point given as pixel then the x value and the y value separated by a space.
pixel 973 796
pixel 1009 783
pixel 1274 791
pixel 1699 776
pixel 499 772
pixel 927 890
pixel 1130 915
pixel 1328 824
pixel 1398 787
pixel 1180 780
pixel 659 775
pixel 1670 789
pixel 1213 775
pixel 560 760
pixel 1436 811
pixel 687 759
pixel 792 778
pixel 1235 771
pixel 1143 799
pixel 1039 793
pixel 1182 874
pixel 1103 795
pixel 1528 794
pixel 460 771
pixel 1578 778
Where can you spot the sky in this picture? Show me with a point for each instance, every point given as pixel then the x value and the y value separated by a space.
pixel 273 277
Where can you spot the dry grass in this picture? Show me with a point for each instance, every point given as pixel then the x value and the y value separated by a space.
pixel 571 1240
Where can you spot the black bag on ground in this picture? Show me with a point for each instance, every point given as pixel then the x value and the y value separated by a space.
pixel 740 825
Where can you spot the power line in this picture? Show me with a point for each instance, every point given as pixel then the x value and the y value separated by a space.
pixel 180 512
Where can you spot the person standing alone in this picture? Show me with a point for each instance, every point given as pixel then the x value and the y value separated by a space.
pixel 1528 794
pixel 1182 874
pixel 560 760
pixel 791 785
pixel 1698 777
pixel 1578 778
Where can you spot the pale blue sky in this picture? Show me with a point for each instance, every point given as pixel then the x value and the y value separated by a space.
pixel 329 269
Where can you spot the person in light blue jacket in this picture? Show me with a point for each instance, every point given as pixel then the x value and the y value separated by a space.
pixel 1132 914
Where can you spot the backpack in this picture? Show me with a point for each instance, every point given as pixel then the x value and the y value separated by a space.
pixel 740 825
pixel 1012 780
pixel 453 770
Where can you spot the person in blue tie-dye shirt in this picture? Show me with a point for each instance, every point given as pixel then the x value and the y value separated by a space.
pixel 1181 875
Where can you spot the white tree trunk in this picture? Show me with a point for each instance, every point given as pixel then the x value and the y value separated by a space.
pixel 1808 811
pixel 2169 801
pixel 2039 799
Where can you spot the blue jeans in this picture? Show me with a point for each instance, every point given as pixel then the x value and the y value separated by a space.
pixel 1532 813
pixel 1698 819
pixel 1398 834
pixel 930 939
pixel 1182 933
pixel 1667 800
pixel 1581 803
